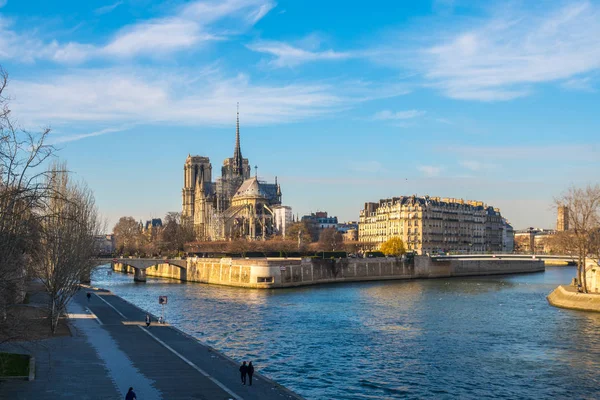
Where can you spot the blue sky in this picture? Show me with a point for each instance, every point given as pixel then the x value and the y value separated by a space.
pixel 344 102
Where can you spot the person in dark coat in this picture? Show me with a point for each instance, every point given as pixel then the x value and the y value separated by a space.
pixel 147 321
pixel 89 296
pixel 244 371
pixel 130 395
pixel 250 372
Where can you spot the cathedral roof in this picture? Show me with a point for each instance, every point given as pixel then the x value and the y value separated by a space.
pixel 250 188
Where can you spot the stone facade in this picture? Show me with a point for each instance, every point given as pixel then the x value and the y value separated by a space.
pixel 235 206
pixel 562 219
pixel 430 225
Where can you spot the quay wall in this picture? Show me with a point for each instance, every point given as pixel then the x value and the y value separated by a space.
pixel 268 273
pixel 568 297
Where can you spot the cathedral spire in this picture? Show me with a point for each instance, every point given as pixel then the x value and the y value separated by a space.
pixel 237 155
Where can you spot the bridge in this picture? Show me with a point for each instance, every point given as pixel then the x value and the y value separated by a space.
pixel 140 265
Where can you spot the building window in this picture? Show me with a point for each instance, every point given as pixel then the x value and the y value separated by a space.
pixel 266 279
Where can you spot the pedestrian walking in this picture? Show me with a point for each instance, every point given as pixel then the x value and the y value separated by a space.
pixel 130 395
pixel 244 371
pixel 89 296
pixel 160 320
pixel 250 372
pixel 147 320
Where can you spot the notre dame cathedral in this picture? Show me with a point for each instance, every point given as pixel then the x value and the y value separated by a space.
pixel 235 206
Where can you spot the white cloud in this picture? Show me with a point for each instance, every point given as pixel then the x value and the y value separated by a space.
pixel 430 171
pixel 398 115
pixel 196 23
pixel 175 97
pixel 580 84
pixel 501 59
pixel 107 8
pixel 55 139
pixel 287 55
pixel 159 36
pixel 474 165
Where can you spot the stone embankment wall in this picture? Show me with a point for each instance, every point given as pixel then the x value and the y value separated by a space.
pixel 568 297
pixel 290 272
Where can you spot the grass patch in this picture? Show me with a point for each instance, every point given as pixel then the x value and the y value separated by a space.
pixel 14 364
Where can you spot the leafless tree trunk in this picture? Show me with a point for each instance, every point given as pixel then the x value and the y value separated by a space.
pixel 22 189
pixel 68 226
pixel 583 205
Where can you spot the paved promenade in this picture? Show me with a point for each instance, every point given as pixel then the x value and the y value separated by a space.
pixel 114 350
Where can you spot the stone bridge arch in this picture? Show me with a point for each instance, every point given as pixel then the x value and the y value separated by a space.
pixel 140 265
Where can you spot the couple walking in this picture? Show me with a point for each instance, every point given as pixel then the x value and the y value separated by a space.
pixel 247 369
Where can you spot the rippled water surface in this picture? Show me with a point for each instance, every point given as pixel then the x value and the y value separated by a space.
pixel 489 337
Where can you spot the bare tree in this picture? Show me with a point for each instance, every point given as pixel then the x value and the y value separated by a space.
pixel 300 232
pixel 175 234
pixel 127 235
pixel 330 239
pixel 583 205
pixel 22 189
pixel 68 225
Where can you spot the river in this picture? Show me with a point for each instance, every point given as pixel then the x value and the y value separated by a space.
pixel 469 338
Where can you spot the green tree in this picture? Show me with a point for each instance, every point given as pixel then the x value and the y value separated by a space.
pixel 393 247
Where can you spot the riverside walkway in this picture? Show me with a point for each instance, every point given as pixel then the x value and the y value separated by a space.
pixel 160 362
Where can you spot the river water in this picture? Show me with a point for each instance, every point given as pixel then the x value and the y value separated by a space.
pixel 468 338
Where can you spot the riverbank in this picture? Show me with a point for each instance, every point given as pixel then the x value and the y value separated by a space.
pixel 271 273
pixel 114 349
pixel 568 297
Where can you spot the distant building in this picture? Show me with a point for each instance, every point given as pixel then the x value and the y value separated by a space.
pixel 433 224
pixel 349 230
pixel 562 219
pixel 152 225
pixel 534 240
pixel 508 237
pixel 283 219
pixel 105 244
pixel 321 220
pixel 344 227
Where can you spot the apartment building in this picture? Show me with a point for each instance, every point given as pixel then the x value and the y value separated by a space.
pixel 431 225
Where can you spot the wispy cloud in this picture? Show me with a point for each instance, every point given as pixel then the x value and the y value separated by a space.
pixel 287 55
pixel 475 165
pixel 178 97
pixel 505 56
pixel 398 115
pixel 188 27
pixel 430 171
pixel 580 84
pixel 107 8
pixel 55 139
pixel 3 3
